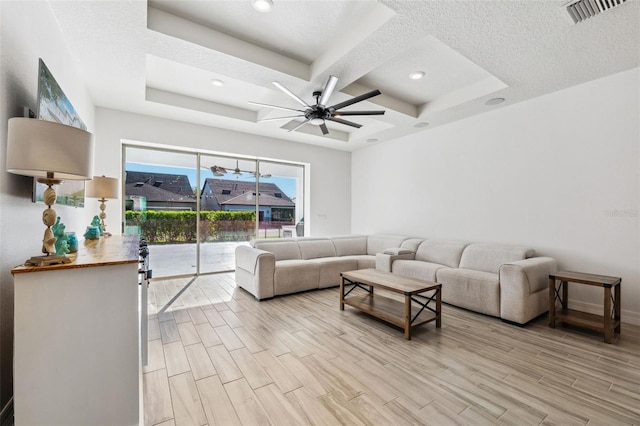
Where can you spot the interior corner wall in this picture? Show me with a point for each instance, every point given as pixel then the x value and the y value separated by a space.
pixel 559 173
pixel 329 186
pixel 28 31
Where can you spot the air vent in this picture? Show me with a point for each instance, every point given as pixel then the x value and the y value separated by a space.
pixel 585 9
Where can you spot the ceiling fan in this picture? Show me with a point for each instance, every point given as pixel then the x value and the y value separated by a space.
pixel 220 171
pixel 319 113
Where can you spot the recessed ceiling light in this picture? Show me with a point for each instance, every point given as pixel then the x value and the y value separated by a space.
pixel 262 5
pixel 217 83
pixel 494 101
pixel 416 75
pixel 421 124
pixel 372 140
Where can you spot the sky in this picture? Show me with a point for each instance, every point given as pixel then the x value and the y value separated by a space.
pixel 287 185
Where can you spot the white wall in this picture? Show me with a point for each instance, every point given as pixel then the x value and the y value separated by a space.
pixel 28 31
pixel 330 174
pixel 559 173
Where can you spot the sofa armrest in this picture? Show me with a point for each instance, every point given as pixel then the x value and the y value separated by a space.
pixel 384 261
pixel 394 251
pixel 255 269
pixel 518 281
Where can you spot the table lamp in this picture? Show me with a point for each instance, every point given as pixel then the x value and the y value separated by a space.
pixel 50 152
pixel 103 188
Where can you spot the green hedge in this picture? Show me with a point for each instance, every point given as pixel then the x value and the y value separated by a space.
pixel 166 226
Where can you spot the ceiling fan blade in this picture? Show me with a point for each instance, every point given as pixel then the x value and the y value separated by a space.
pixel 218 171
pixel 299 125
pixel 279 118
pixel 328 90
pixel 345 113
pixel 348 123
pixel 324 129
pixel 275 106
pixel 290 93
pixel 352 101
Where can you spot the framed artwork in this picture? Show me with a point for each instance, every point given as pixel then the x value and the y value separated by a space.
pixel 53 105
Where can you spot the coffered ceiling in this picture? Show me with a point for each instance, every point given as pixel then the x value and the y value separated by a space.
pixel 159 57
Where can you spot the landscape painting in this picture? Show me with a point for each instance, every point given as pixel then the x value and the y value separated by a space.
pixel 53 105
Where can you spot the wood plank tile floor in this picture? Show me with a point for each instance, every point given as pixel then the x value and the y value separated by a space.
pixel 218 357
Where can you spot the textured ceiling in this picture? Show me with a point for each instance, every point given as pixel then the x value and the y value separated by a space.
pixel 159 57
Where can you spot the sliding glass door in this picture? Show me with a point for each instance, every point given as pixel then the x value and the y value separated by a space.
pixel 160 197
pixel 227 210
pixel 194 208
pixel 281 200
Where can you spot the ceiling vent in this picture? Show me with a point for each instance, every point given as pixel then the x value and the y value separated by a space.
pixel 584 9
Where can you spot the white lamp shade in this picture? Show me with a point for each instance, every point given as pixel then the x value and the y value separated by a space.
pixel 102 187
pixel 38 147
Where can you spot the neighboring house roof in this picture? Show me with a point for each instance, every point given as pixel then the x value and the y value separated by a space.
pixel 156 194
pixel 176 184
pixel 226 190
pixel 249 199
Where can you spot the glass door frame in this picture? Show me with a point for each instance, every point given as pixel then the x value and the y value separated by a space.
pixel 198 154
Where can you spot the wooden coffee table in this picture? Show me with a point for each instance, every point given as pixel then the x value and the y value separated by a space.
pixel 387 309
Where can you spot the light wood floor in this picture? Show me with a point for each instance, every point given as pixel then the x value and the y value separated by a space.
pixel 217 356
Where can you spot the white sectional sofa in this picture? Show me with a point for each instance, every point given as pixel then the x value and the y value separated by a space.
pixel 272 267
pixel 505 281
pixel 501 280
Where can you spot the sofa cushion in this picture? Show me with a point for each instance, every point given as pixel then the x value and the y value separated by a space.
pixel 416 269
pixel 363 261
pixel 282 249
pixel 411 244
pixel 351 245
pixel 470 289
pixel 488 257
pixel 443 252
pixel 295 275
pixel 316 248
pixel 331 267
pixel 377 243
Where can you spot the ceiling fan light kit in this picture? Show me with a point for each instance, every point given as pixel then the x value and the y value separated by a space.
pixel 319 113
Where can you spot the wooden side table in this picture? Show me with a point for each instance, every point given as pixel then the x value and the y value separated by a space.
pixel 609 322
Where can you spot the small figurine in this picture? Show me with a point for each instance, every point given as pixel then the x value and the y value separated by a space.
pixel 61 244
pixel 92 233
pixel 97 223
pixel 73 242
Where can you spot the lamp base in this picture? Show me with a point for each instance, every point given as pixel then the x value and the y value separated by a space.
pixel 47 260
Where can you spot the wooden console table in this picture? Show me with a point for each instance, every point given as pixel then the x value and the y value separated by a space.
pixel 609 322
pixel 387 309
pixel 76 350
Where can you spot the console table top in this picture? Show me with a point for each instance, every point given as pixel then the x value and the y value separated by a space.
pixel 113 250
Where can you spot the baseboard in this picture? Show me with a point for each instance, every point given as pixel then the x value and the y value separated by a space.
pixel 6 415
pixel 628 317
